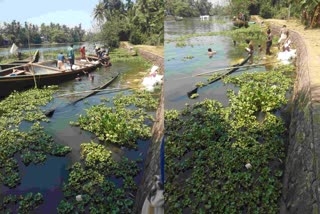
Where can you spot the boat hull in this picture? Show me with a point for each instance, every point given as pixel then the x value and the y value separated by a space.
pixel 21 82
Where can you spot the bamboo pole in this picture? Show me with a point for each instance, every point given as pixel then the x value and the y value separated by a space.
pixel 88 91
pixel 222 69
pixel 47 67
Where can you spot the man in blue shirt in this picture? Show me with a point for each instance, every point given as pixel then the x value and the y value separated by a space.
pixel 71 55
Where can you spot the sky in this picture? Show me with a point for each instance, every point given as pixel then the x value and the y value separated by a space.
pixel 219 2
pixel 68 12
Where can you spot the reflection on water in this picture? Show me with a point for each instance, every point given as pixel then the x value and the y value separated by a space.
pixel 44 178
pixel 183 64
pixel 194 25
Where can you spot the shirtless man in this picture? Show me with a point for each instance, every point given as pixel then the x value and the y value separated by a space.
pixel 284 34
pixel 250 49
pixel 211 53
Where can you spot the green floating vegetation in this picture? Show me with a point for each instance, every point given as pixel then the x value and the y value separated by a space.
pixel 200 84
pixel 187 58
pixel 30 145
pixel 252 32
pixel 89 186
pixel 140 99
pixel 122 124
pixel 229 159
pixel 26 203
pixel 181 44
pixel 92 179
pixel 194 96
pixel 214 77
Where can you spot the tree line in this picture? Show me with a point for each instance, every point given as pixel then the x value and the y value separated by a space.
pixel 140 22
pixel 188 8
pixel 306 10
pixel 22 34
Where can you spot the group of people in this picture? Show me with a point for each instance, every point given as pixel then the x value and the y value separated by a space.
pixel 70 56
pixel 103 55
pixel 284 41
pixel 283 44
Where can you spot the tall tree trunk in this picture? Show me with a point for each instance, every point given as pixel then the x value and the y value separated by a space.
pixel 314 15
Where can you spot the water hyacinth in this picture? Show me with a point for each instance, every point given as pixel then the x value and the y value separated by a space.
pixel 32 145
pixel 222 156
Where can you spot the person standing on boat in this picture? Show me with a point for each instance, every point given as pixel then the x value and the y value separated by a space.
pixel 83 52
pixel 250 49
pixel 61 60
pixel 71 55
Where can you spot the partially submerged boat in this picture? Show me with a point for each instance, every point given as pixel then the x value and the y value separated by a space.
pixel 18 63
pixel 41 74
pixel 235 68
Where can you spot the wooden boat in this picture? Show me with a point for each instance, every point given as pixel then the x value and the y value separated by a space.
pixel 236 67
pixel 104 61
pixel 40 74
pixel 95 90
pixel 18 63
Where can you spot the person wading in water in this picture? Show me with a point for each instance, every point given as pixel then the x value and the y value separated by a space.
pixel 269 42
pixel 250 50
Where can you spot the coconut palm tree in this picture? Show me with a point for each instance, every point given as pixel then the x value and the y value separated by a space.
pixel 99 13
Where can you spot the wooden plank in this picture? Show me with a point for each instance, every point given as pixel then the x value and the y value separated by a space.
pixel 47 67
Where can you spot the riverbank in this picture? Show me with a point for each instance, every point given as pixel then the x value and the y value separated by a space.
pixel 156 50
pixel 312 42
pixel 300 192
pixel 153 54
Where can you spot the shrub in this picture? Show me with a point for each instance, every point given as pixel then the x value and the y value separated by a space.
pixel 282 13
pixel 266 11
pixel 137 38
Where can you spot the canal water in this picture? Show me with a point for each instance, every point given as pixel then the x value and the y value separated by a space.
pixel 183 62
pixel 48 178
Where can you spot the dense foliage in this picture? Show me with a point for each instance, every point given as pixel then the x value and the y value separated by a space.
pixel 28 143
pixel 229 159
pixel 140 21
pixel 188 8
pixel 20 34
pixel 307 10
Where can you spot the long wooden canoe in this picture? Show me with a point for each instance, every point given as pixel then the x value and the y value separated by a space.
pixel 95 90
pixel 22 77
pixel 18 63
pixel 236 67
